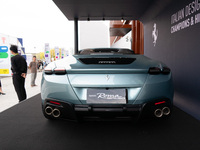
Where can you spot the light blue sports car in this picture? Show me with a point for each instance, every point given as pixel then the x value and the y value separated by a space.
pixel 106 83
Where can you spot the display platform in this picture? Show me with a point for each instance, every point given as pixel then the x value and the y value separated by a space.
pixel 24 127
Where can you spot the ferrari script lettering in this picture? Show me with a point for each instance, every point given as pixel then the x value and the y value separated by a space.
pixel 107 62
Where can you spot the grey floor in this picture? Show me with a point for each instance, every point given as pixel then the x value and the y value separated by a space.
pixel 10 99
pixel 24 127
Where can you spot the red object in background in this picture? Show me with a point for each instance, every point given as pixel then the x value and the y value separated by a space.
pixel 4 40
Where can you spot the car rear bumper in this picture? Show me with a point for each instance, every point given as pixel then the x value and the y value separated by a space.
pixel 73 112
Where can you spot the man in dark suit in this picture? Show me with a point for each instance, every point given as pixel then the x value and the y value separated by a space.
pixel 19 69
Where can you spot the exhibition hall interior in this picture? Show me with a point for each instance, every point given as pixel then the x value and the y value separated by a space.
pixel 128 80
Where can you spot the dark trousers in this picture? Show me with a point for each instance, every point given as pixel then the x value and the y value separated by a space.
pixel 18 82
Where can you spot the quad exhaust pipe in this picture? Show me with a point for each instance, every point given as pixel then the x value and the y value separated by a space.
pixel 54 112
pixel 48 110
pixel 160 112
pixel 166 111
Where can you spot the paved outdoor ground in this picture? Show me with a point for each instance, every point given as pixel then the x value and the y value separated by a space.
pixel 10 99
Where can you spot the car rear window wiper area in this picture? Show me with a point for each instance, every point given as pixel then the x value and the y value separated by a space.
pixel 103 61
pixel 105 51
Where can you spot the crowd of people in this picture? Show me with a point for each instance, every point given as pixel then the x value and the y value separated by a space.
pixel 19 71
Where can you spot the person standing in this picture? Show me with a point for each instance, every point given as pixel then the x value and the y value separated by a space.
pixel 40 66
pixel 19 69
pixel 33 68
pixel 1 92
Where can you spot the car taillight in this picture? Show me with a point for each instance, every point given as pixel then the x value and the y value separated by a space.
pixel 166 70
pixel 154 70
pixel 60 71
pixel 53 102
pixel 48 71
pixel 158 103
